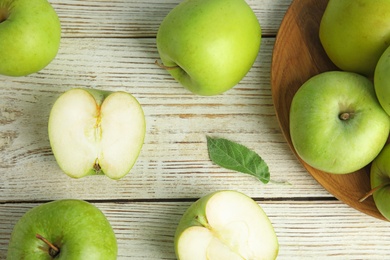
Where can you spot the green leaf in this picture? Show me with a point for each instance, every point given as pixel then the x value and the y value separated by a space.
pixel 237 157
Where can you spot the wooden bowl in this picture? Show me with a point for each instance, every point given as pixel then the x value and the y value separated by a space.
pixel 297 56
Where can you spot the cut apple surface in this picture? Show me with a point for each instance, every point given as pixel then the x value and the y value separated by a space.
pixel 96 132
pixel 225 225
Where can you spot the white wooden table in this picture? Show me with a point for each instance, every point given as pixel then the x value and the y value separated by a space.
pixel 111 45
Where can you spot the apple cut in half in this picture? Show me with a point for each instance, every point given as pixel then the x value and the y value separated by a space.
pixel 225 225
pixel 96 132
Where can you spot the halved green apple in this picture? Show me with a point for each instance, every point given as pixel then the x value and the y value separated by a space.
pixel 96 132
pixel 225 225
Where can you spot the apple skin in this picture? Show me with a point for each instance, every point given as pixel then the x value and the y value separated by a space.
pixel 197 216
pixel 209 45
pixel 29 36
pixel 319 134
pixel 79 229
pixel 380 175
pixel 86 141
pixel 354 33
pixel 382 80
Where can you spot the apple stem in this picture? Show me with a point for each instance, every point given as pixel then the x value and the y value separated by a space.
pixel 53 250
pixel 372 191
pixel 165 67
pixel 345 116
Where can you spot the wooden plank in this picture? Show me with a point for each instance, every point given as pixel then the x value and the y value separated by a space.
pixel 174 158
pixel 141 18
pixel 306 230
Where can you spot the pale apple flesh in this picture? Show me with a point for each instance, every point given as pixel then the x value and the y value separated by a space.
pixel 225 225
pixel 94 132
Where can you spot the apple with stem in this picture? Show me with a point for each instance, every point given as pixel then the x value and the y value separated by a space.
pixel 336 122
pixel 380 182
pixel 209 45
pixel 30 33
pixel 63 229
pixel 96 132
pixel 225 225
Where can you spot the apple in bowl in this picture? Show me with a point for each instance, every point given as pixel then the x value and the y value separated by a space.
pixel 96 132
pixel 336 122
pixel 355 33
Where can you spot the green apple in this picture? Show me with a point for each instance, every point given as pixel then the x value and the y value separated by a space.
pixel 354 33
pixel 63 229
pixel 96 132
pixel 225 225
pixel 382 80
pixel 209 45
pixel 336 122
pixel 380 181
pixel 30 33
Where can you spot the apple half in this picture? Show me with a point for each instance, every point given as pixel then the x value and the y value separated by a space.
pixel 96 132
pixel 225 225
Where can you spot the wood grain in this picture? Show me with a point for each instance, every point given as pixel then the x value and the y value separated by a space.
pixel 174 157
pixel 141 18
pixel 297 56
pixel 111 45
pixel 306 230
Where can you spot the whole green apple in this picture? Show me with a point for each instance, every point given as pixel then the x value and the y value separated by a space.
pixel 96 132
pixel 380 181
pixel 354 33
pixel 30 33
pixel 225 225
pixel 63 229
pixel 382 80
pixel 336 122
pixel 209 45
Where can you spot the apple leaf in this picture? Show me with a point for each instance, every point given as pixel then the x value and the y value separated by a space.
pixel 237 157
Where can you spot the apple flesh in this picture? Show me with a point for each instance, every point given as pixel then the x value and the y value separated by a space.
pixel 63 229
pixel 380 181
pixel 354 33
pixel 209 45
pixel 30 33
pixel 336 122
pixel 96 132
pixel 225 225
